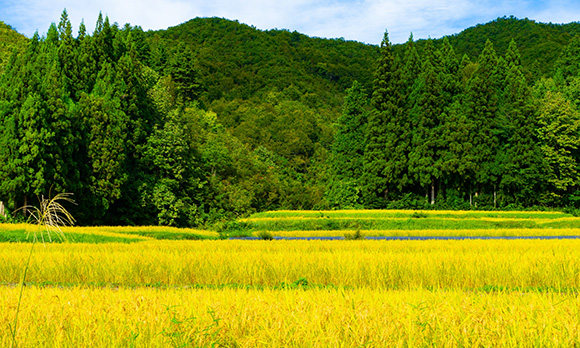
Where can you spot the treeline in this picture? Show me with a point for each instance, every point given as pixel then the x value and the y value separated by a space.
pixel 449 132
pixel 126 122
pixel 84 115
pixel 213 120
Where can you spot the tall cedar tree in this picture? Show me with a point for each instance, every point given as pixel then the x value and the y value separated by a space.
pixel 522 167
pixel 387 139
pixel 481 106
pixel 182 69
pixel 559 124
pixel 454 131
pixel 348 150
pixel 426 114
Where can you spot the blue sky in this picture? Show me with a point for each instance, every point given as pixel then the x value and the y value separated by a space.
pixel 360 20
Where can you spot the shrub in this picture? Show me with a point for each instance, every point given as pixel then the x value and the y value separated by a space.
pixel 354 236
pixel 265 235
pixel 419 215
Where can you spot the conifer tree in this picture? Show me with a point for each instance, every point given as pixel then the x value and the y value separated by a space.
pixel 559 124
pixel 411 68
pixel 60 172
pixel 387 139
pixel 522 166
pixel 425 150
pixel 67 57
pixel 568 64
pixel 106 127
pixel 184 73
pixel 87 66
pixel 457 162
pixel 449 73
pixel 348 150
pixel 481 105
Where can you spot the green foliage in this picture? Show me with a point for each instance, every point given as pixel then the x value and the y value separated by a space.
pixel 213 120
pixel 237 61
pixel 418 215
pixel 387 137
pixel 559 122
pixel 540 44
pixel 265 235
pixel 11 43
pixel 348 149
pixel 357 235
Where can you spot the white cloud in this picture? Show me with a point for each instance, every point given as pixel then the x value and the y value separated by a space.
pixel 361 20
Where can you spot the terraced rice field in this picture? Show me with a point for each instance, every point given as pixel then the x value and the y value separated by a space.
pixel 413 223
pixel 156 287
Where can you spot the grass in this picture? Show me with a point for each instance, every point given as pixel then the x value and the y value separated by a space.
pixel 333 223
pixel 378 265
pixel 265 235
pixel 82 317
pixel 315 224
pixel 49 217
pixel 382 214
pixel 108 234
pixel 513 232
pixel 412 223
pixel 167 287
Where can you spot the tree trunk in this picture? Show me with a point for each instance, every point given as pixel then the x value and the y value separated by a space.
pixel 470 197
pixel 25 204
pixel 494 198
pixel 432 192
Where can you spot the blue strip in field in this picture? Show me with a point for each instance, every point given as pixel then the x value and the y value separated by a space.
pixel 414 238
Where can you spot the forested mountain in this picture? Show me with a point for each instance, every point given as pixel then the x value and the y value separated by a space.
pixel 239 61
pixel 10 41
pixel 214 119
pixel 540 44
pixel 275 89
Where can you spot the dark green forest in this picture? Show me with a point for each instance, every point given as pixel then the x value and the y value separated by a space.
pixel 212 119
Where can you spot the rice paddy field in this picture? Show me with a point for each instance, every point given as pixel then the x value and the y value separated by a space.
pixel 165 287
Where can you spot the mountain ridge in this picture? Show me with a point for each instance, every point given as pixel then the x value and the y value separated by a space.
pixel 540 43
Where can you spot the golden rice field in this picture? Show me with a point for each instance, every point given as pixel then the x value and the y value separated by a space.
pixel 102 317
pixel 140 288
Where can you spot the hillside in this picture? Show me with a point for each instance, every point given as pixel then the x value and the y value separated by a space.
pixel 240 61
pixel 9 40
pixel 540 44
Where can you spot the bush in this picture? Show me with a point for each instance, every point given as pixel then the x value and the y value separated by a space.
pixel 354 236
pixel 572 211
pixel 418 215
pixel 265 235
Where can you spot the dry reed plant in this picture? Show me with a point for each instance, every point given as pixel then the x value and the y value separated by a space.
pixel 50 216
